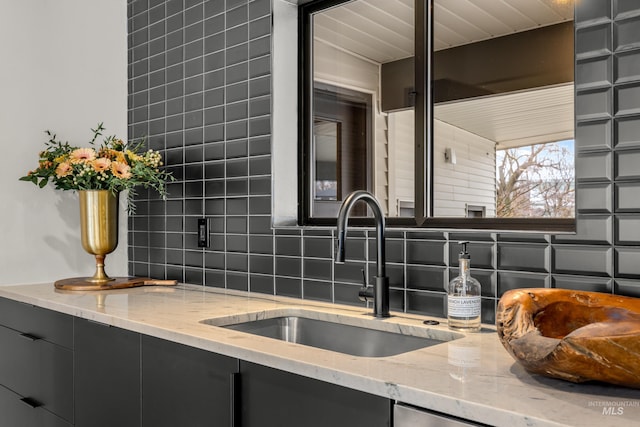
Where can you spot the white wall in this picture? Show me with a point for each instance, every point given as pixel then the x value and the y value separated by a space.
pixel 64 68
pixel 401 159
pixel 472 180
pixel 284 104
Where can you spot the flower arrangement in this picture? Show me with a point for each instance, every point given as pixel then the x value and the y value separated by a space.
pixel 115 165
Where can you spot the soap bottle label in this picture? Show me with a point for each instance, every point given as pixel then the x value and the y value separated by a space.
pixel 463 306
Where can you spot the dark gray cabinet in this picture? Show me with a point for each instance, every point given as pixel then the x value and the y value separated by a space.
pixel 271 397
pixel 36 366
pixel 60 371
pixel 107 376
pixel 185 386
pixel 123 378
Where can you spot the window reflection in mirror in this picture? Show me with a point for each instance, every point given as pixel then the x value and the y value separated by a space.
pixel 327 176
pixel 503 116
pixel 342 145
pixel 354 44
pixel 503 124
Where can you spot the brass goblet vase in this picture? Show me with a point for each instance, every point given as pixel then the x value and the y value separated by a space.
pixel 99 228
pixel 99 235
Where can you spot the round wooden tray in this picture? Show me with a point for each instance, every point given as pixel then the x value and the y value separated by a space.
pixel 83 283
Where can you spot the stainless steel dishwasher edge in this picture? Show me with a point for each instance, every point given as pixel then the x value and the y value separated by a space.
pixel 408 416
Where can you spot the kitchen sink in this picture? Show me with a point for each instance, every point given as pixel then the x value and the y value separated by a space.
pixel 364 337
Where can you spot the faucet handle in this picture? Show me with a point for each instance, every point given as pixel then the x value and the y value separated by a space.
pixel 366 292
pixel 364 278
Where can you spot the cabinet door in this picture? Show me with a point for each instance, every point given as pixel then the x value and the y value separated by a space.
pixel 184 386
pixel 107 376
pixel 275 398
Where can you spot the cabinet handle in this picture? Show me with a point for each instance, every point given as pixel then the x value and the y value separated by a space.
pixel 31 402
pixel 30 337
pixel 234 399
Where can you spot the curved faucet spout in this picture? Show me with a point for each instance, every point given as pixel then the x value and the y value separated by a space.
pixel 381 287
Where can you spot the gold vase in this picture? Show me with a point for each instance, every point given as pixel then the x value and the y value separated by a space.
pixel 99 234
pixel 99 228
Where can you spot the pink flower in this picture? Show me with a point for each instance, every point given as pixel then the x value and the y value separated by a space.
pixel 101 164
pixel 82 155
pixel 121 170
pixel 63 169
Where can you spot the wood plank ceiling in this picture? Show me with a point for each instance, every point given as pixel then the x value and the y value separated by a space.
pixel 382 31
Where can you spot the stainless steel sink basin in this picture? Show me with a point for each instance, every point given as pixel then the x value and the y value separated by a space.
pixel 335 334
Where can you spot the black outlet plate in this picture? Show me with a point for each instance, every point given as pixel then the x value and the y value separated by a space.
pixel 203 233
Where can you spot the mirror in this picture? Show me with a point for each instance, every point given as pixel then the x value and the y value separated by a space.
pixel 503 115
pixel 500 143
pixel 349 43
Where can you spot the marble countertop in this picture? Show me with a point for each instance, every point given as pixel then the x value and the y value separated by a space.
pixel 472 377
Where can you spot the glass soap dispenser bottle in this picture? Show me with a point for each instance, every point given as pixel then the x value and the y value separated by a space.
pixel 463 297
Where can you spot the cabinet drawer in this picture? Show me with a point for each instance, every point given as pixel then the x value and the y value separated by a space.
pixel 408 416
pixel 15 412
pixel 38 370
pixel 38 322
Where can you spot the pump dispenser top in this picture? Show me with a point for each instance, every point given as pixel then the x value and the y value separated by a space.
pixel 464 296
pixel 463 253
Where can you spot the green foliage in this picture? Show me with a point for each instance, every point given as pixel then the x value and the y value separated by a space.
pixel 114 165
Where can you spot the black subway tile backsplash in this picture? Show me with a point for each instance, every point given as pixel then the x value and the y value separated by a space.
pixel 513 280
pixel 426 252
pixel 428 278
pixel 236 243
pixel 194 276
pixel 395 273
pixel 262 264
pixel 236 44
pixel 582 283
pixel 214 260
pixel 217 224
pixel 578 259
pixel 236 148
pixel 289 246
pixel 523 256
pixel 215 278
pixel 627 287
pixel 261 284
pixel 319 269
pixel 237 262
pixel 260 66
pixel 346 293
pixel 318 247
pixel 236 224
pixel 237 281
pixel 200 89
pixel 289 287
pixel 260 224
pixel 260 244
pixel 428 303
pixel 319 290
pixel 350 272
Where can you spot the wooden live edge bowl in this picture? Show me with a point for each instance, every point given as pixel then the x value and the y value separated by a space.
pixel 573 335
